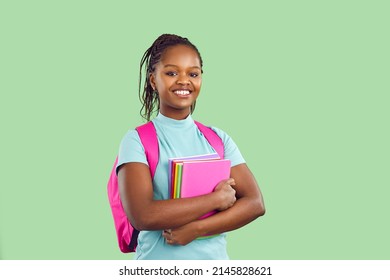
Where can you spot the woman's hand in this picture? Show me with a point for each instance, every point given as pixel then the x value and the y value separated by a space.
pixel 182 235
pixel 227 193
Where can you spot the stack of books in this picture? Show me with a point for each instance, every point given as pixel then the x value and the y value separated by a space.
pixel 197 175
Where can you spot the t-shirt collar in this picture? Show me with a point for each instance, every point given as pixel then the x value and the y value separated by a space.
pixel 188 121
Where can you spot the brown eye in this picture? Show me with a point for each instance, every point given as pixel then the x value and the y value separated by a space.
pixel 171 73
pixel 194 75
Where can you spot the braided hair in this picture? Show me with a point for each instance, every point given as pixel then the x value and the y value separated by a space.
pixel 148 96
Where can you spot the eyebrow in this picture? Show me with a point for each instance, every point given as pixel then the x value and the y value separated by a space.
pixel 172 65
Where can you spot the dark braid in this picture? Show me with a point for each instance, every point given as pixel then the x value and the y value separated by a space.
pixel 148 97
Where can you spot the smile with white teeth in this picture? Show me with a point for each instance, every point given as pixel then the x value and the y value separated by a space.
pixel 182 92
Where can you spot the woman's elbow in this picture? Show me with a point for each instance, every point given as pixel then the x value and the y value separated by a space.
pixel 137 224
pixel 139 221
pixel 262 211
pixel 259 208
pixel 144 222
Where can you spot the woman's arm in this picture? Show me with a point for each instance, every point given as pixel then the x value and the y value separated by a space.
pixel 249 206
pixel 145 213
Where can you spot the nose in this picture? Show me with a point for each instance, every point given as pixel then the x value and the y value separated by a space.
pixel 183 80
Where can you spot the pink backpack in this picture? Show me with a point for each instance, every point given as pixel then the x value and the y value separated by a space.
pixel 126 234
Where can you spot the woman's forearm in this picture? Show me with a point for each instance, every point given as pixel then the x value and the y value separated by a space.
pixel 248 207
pixel 243 212
pixel 172 213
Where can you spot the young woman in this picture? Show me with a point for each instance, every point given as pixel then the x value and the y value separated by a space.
pixel 170 227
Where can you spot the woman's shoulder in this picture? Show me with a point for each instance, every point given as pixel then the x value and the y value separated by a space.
pixel 131 135
pixel 232 152
pixel 131 140
pixel 131 148
pixel 225 137
pixel 221 133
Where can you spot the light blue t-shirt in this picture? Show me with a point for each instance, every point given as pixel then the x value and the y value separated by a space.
pixel 176 138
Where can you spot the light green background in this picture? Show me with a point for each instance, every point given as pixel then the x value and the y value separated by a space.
pixel 301 86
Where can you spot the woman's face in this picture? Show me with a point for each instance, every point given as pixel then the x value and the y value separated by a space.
pixel 178 79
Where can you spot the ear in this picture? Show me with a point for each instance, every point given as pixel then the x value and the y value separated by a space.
pixel 152 81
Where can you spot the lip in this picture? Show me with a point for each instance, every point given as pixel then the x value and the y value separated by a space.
pixel 182 88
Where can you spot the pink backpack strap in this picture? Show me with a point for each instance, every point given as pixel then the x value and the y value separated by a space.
pixel 213 138
pixel 148 135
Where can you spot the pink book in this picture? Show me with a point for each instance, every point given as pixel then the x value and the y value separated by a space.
pixel 173 161
pixel 201 177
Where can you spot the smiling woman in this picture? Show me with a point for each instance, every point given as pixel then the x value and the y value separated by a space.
pixel 156 56
pixel 171 228
pixel 177 80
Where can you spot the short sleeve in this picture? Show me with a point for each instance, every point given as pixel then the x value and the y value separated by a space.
pixel 131 149
pixel 231 150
